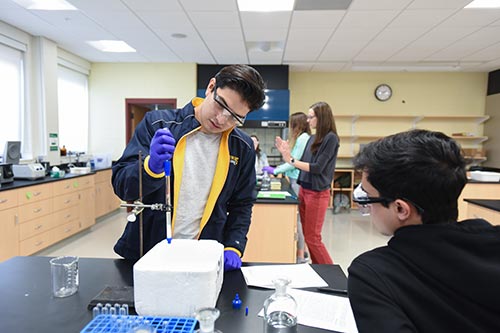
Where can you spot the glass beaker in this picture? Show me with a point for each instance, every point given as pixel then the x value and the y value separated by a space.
pixel 280 310
pixel 207 317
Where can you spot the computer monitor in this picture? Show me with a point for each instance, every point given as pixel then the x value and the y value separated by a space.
pixel 12 152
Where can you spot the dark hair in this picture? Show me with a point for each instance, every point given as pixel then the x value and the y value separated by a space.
pixel 246 81
pixel 257 150
pixel 324 125
pixel 298 125
pixel 424 167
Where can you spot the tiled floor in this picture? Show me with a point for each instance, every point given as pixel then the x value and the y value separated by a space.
pixel 346 235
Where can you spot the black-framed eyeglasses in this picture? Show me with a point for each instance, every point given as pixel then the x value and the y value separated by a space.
pixel 230 115
pixel 360 197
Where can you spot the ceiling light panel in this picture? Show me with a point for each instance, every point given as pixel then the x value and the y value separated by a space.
pixel 483 4
pixel 266 5
pixel 46 4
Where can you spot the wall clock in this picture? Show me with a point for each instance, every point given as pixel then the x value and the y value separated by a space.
pixel 383 92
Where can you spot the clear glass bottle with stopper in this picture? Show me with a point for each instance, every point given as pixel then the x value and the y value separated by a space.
pixel 280 310
pixel 206 318
pixel 266 182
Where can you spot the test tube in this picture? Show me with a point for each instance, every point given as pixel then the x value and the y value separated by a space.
pixel 95 312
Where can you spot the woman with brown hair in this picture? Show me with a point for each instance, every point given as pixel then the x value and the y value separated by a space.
pixel 299 135
pixel 317 166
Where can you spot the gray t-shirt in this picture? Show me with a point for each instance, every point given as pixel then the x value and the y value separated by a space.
pixel 200 160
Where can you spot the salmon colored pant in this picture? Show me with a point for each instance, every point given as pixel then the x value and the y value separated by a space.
pixel 312 209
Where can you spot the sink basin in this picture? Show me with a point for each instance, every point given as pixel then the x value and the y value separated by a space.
pixel 79 170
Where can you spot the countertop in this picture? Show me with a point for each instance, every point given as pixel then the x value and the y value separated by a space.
pixel 19 183
pixel 285 186
pixel 486 203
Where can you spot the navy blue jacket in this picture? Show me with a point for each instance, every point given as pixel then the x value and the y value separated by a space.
pixel 229 206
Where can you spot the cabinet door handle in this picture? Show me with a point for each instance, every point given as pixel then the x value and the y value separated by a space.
pixel 35 194
pixel 68 230
pixel 16 219
pixel 37 210
pixel 38 243
pixel 67 216
pixel 3 201
pixel 38 227
pixel 67 201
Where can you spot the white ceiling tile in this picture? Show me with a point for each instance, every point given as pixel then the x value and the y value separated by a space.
pixel 340 51
pixel 313 19
pixel 474 17
pixel 379 4
pixel 174 21
pixel 96 5
pixel 369 19
pixel 221 35
pixel 356 35
pixel 150 5
pixel 380 51
pixel 468 45
pixel 487 54
pixel 368 31
pixel 212 5
pixel 257 34
pixel 438 4
pixel 318 35
pixel 421 18
pixel 205 20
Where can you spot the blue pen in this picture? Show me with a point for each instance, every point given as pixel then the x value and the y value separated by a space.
pixel 166 167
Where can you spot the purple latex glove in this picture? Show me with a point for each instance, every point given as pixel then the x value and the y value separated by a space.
pixel 231 260
pixel 161 149
pixel 269 169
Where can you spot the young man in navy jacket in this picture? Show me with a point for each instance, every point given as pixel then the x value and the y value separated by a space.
pixel 213 176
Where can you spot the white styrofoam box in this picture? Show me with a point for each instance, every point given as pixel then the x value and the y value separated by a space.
pixel 485 176
pixel 177 279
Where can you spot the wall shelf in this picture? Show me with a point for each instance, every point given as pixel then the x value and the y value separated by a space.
pixel 356 130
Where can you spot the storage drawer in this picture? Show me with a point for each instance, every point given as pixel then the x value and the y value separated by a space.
pixel 8 199
pixel 34 193
pixel 35 227
pixel 66 186
pixel 64 201
pixel 35 210
pixel 64 231
pixel 66 215
pixel 103 176
pixel 35 244
pixel 85 182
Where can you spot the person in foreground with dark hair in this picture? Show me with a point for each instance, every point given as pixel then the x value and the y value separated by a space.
pixel 435 274
pixel 213 172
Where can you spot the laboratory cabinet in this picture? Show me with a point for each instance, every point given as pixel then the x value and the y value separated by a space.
pixel 476 190
pixel 33 217
pixel 105 197
pixel 272 237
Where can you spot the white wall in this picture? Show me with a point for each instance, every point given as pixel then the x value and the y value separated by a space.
pixel 112 83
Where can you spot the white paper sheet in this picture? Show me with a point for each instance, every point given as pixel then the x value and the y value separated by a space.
pixel 300 275
pixel 323 311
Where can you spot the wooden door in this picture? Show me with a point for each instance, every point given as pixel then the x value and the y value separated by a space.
pixel 136 108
